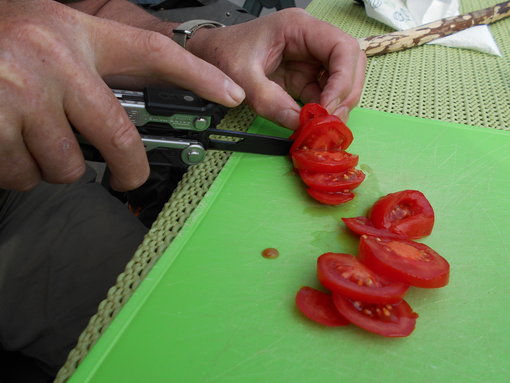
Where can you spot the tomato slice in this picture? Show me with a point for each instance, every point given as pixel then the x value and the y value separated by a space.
pixel 363 226
pixel 346 275
pixel 406 212
pixel 333 182
pixel 323 161
pixel 391 320
pixel 310 111
pixel 326 132
pixel 330 198
pixel 318 306
pixel 405 261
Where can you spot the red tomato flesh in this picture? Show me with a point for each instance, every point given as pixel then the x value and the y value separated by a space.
pixel 346 275
pixel 323 133
pixel 363 226
pixel 332 182
pixel 406 212
pixel 310 111
pixel 324 161
pixel 330 198
pixel 318 306
pixel 404 261
pixel 397 320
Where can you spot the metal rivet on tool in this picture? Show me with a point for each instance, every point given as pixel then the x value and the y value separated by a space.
pixel 193 154
pixel 200 123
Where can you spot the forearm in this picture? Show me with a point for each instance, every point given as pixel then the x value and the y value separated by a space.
pixel 124 12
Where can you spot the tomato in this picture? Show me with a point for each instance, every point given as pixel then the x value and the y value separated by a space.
pixel 324 161
pixel 330 198
pixel 346 275
pixel 404 261
pixel 310 111
pixel 406 212
pixel 319 148
pixel 391 320
pixel 363 226
pixel 318 306
pixel 349 179
pixel 325 132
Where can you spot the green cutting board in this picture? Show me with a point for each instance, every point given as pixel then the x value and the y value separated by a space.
pixel 214 310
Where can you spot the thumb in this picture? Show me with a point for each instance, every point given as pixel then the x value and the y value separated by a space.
pixel 124 50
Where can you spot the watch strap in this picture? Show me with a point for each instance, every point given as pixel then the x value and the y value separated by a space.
pixel 186 30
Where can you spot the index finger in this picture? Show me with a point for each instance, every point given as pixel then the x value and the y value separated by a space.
pixel 124 50
pixel 340 55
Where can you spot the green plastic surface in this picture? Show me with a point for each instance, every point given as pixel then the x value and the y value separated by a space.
pixel 214 310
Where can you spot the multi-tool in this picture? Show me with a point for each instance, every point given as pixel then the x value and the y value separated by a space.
pixel 184 126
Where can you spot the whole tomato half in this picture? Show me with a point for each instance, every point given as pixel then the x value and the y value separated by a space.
pixel 407 213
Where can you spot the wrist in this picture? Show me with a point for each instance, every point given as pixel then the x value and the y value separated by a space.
pixel 185 33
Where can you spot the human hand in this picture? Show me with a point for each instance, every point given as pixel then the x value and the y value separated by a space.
pixel 52 63
pixel 284 56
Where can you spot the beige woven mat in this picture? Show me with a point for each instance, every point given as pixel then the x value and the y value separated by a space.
pixel 430 82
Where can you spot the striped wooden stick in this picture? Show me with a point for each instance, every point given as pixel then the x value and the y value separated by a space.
pixel 402 40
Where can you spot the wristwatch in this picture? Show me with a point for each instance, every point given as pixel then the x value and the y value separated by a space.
pixel 184 31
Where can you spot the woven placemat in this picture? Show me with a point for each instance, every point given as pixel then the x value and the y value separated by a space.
pixel 430 82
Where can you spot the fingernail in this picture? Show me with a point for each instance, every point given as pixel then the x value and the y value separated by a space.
pixel 288 118
pixel 342 113
pixel 333 104
pixel 236 93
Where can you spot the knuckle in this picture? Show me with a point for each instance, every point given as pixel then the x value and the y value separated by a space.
pixel 152 43
pixel 67 165
pixel 18 174
pixel 67 175
pixel 125 137
pixel 36 46
pixel 29 33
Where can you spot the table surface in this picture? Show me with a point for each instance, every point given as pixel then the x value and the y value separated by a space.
pixel 431 82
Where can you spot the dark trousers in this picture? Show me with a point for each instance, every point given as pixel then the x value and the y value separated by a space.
pixel 61 249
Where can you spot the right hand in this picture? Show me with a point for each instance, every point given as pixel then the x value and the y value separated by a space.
pixel 52 63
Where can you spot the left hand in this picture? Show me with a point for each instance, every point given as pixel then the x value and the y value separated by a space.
pixel 284 56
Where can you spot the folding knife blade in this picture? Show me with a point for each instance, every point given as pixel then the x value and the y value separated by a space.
pixel 247 142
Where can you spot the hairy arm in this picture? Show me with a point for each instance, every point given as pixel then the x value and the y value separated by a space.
pixel 124 12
